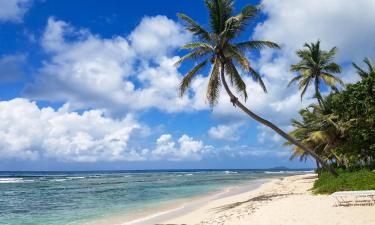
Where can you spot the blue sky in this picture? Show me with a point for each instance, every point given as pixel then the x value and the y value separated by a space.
pixel 91 84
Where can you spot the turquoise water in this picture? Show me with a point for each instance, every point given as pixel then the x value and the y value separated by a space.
pixel 56 198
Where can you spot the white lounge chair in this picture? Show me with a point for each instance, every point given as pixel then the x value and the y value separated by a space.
pixel 347 198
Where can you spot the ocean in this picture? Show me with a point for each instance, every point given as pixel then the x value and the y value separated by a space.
pixel 60 198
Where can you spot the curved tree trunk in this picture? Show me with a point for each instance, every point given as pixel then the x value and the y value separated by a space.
pixel 234 100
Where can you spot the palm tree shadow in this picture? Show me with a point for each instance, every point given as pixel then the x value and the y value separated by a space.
pixel 260 198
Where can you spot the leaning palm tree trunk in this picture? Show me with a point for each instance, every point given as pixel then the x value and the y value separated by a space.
pixel 291 139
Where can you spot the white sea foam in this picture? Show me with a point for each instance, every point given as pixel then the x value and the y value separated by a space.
pixel 59 180
pixel 230 172
pixel 76 178
pixel 11 180
pixel 289 171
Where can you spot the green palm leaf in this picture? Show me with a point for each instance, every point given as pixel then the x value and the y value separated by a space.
pixel 236 79
pixel 316 65
pixel 213 88
pixel 250 45
pixel 194 27
pixel 189 76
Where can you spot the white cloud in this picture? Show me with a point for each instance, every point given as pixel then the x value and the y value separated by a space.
pixel 118 74
pixel 228 132
pixel 342 23
pixel 30 132
pixel 187 148
pixel 13 10
pixel 156 36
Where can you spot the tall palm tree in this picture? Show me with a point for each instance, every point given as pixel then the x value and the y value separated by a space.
pixel 370 69
pixel 315 66
pixel 217 48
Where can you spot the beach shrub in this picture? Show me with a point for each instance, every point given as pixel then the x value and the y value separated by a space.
pixel 355 108
pixel 347 181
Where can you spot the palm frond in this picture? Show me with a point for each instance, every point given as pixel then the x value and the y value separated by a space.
pixel 213 88
pixel 194 27
pixel 219 12
pixel 369 64
pixel 360 71
pixel 250 45
pixel 370 68
pixel 185 83
pixel 332 68
pixel 195 45
pixel 236 79
pixel 196 54
pixel 304 84
pixel 331 80
pixel 236 54
pixel 295 79
pixel 235 24
pixel 258 78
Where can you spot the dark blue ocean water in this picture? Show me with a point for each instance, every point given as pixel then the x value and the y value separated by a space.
pixel 56 198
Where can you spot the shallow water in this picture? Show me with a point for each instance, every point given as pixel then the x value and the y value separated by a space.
pixel 71 197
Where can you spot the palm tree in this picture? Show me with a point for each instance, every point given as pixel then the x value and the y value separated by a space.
pixel 370 69
pixel 315 66
pixel 301 134
pixel 319 130
pixel 217 48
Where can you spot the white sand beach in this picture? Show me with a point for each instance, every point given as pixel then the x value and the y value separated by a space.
pixel 284 201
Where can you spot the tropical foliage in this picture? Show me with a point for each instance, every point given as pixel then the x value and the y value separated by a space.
pixel 319 129
pixel 316 66
pixel 342 128
pixel 217 47
pixel 370 68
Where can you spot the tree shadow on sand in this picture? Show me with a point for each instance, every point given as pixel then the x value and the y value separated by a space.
pixel 260 198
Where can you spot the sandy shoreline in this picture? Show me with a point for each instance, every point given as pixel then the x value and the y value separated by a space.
pixel 284 201
pixel 280 201
pixel 177 208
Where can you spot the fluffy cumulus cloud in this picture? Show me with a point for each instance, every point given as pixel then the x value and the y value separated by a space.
pixel 118 74
pixel 342 23
pixel 156 36
pixel 13 10
pixel 186 148
pixel 30 132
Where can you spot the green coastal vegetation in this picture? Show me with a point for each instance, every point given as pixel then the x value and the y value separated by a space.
pixel 338 131
pixel 347 181
pixel 340 128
